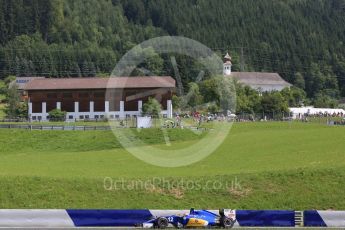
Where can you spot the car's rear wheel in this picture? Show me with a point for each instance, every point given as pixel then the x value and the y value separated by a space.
pixel 162 222
pixel 226 222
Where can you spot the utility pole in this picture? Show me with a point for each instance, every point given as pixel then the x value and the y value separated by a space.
pixel 242 60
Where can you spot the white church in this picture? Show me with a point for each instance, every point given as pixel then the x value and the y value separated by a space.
pixel 260 81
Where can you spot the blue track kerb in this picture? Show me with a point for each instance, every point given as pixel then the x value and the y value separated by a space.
pixel 108 218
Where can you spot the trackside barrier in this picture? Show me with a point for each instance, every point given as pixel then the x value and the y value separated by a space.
pixel 265 218
pixel 108 218
pixel 313 218
pixel 127 218
pixel 35 218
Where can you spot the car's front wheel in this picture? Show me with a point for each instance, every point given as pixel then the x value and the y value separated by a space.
pixel 162 222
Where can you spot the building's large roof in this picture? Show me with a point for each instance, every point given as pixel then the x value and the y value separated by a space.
pixel 100 83
pixel 21 82
pixel 259 78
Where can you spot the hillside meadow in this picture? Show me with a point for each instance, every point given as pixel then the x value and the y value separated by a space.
pixel 259 166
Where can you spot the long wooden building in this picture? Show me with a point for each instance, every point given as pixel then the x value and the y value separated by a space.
pixel 97 98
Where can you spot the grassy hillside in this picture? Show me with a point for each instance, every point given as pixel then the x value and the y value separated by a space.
pixel 260 165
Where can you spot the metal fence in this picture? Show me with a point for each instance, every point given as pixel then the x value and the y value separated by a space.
pixel 53 127
pixel 131 122
pixel 263 117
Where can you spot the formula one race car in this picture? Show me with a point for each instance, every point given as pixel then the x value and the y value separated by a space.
pixel 195 218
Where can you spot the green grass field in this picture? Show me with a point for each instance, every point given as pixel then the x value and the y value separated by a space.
pixel 259 166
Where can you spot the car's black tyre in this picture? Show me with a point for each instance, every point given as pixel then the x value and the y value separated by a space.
pixel 226 222
pixel 162 222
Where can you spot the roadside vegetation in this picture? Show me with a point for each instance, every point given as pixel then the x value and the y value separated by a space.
pixel 2 112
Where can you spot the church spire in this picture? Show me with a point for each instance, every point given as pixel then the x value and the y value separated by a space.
pixel 227 58
pixel 227 65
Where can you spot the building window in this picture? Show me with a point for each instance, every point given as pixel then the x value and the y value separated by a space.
pixel 70 117
pixel 81 117
pixel 96 117
pixel 111 116
pixel 34 118
pixel 87 116
pixel 117 116
pixel 102 116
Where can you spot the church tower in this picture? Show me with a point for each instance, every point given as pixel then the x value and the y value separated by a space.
pixel 227 65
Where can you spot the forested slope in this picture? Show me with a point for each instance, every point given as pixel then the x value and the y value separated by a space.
pixel 303 40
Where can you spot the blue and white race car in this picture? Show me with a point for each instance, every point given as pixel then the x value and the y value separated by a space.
pixel 226 218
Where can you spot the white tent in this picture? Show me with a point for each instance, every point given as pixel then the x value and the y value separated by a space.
pixel 299 112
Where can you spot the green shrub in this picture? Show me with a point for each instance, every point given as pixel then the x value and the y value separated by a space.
pixel 57 115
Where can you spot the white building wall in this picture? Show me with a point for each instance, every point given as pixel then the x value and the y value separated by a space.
pixel 122 109
pixel 140 106
pixel 169 109
pixel 76 115
pixel 92 109
pixel 268 88
pixel 30 108
pixel 106 106
pixel 76 107
pixel 227 69
pixel 44 111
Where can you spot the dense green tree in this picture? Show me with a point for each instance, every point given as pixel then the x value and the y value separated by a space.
pixel 299 81
pixel 14 107
pixel 247 100
pixel 274 103
pixel 303 40
pixel 152 108
pixel 294 96
pixel 193 97
pixel 208 90
pixel 177 102
pixel 324 101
